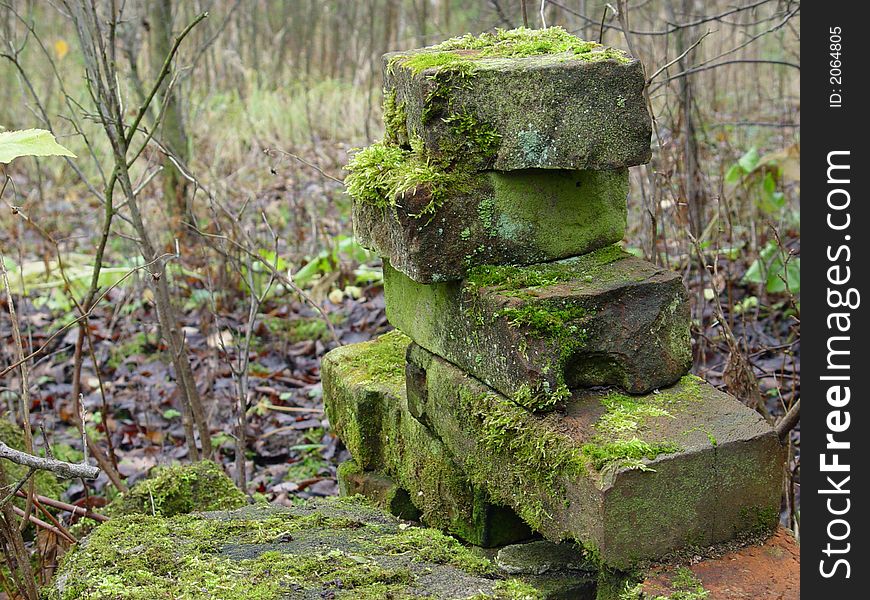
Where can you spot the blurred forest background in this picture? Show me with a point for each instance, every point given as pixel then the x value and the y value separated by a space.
pixel 204 338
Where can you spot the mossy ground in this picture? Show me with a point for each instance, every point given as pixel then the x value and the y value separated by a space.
pixel 335 548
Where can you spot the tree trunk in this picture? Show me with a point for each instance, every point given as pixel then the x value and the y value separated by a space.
pixel 171 130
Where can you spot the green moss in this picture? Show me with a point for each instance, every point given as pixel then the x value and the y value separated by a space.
pixel 539 457
pixel 475 137
pixel 430 545
pixel 395 119
pixel 592 266
pixel 514 589
pixel 383 361
pixel 342 548
pixel 621 454
pixel 558 323
pixel 178 490
pixel 686 586
pixel 552 321
pixel 381 175
pixel 617 443
pixel 461 53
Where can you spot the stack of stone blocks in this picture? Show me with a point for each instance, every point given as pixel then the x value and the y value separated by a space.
pixel 537 380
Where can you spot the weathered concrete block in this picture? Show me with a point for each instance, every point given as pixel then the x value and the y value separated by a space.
pixel 520 100
pixel 364 394
pixel 496 218
pixel 533 333
pixel 631 477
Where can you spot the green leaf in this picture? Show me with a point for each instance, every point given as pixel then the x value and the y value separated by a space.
pixel 170 413
pixel 734 174
pixel 750 160
pixel 29 142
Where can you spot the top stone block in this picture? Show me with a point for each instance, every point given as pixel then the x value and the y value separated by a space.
pixel 520 99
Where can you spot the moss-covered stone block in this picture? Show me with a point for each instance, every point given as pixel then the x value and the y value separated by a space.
pixel 495 218
pixel 535 332
pixel 364 395
pixel 378 488
pixel 632 478
pixel 522 99
pixel 333 548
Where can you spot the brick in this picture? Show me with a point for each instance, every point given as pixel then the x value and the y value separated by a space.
pixel 496 218
pixel 552 111
pixel 632 478
pixel 606 318
pixel 364 395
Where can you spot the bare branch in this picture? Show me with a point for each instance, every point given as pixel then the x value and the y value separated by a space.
pixel 58 467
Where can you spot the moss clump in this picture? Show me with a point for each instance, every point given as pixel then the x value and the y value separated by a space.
pixel 382 175
pixel 178 490
pixel 338 548
pixel 621 454
pixel 460 53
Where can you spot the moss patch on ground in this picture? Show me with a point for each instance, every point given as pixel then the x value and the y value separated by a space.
pixel 178 490
pixel 340 548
